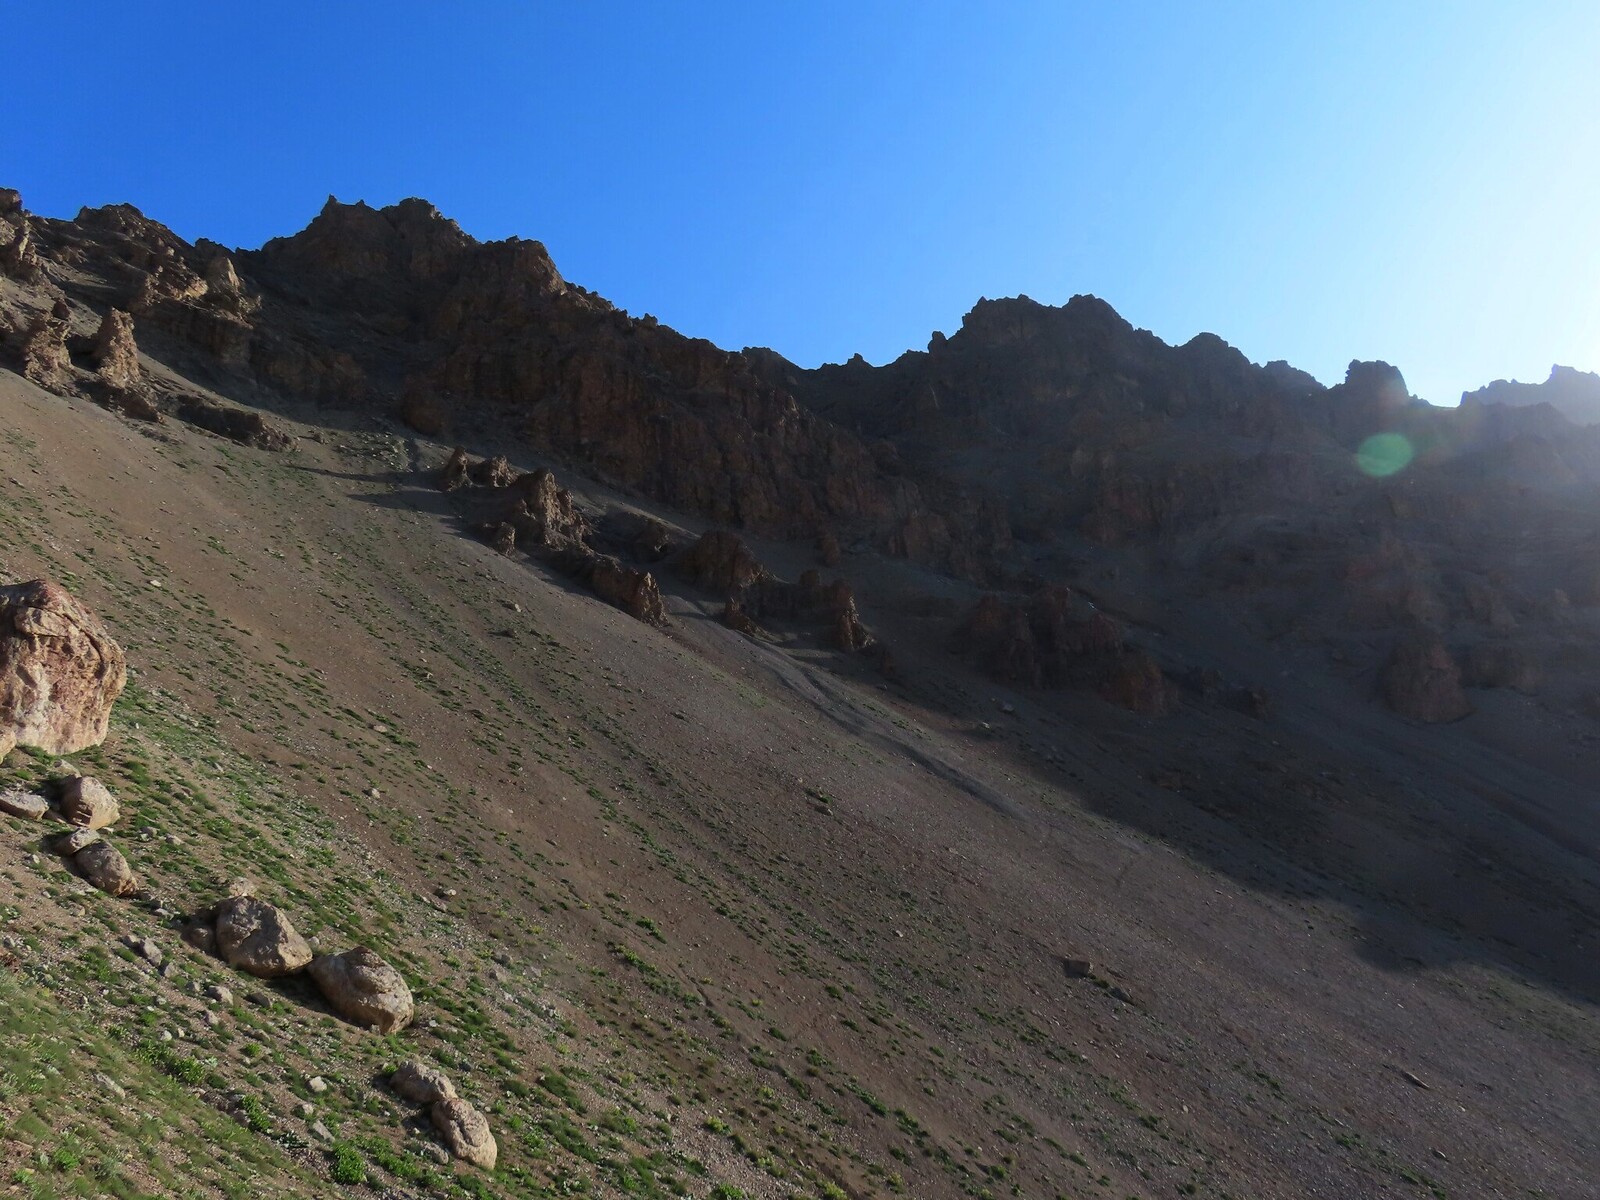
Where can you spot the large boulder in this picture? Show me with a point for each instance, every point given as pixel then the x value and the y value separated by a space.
pixel 102 864
pixel 421 1084
pixel 89 803
pixel 60 671
pixel 363 988
pixel 255 937
pixel 465 1131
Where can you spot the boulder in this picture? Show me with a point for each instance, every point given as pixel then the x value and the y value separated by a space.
pixel 421 1084
pixel 1423 682
pixel 465 1131
pixel 88 802
pixel 23 804
pixel 103 865
pixel 255 937
pixel 60 671
pixel 363 988
pixel 69 844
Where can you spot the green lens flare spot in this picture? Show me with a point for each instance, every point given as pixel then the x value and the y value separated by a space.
pixel 1384 454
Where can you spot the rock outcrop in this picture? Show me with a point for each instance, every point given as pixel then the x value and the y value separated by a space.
pixel 364 989
pixel 60 670
pixel 634 591
pixel 45 358
pixel 1423 682
pixel 258 939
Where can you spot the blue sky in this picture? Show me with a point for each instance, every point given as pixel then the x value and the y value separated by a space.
pixel 1319 182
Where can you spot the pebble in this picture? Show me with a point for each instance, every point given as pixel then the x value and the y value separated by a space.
pixel 317 1084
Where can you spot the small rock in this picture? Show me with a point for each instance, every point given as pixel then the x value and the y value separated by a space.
pixel 322 1131
pixel 145 949
pixel 1077 968
pixel 1414 1081
pixel 89 803
pixel 23 804
pixel 307 1109
pixel 421 1084
pixel 317 1084
pixel 110 1086
pixel 219 993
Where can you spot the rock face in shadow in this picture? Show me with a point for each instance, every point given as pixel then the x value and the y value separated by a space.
pixel 1056 638
pixel 60 670
pixel 1423 682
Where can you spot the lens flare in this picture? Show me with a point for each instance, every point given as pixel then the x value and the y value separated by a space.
pixel 1384 454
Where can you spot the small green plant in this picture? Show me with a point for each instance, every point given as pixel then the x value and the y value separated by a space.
pixel 348 1166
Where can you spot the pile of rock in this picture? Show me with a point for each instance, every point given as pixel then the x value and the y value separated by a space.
pixel 256 937
pixel 462 1127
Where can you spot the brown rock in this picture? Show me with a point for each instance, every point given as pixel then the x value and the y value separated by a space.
pixel 720 561
pixel 494 472
pixel 103 865
pixel 116 355
pixel 1134 682
pixel 544 514
pixel 363 988
pixel 456 472
pixel 421 1084
pixel 45 360
pixel 633 591
pixel 735 618
pixel 23 804
pixel 60 671
pixel 1423 682
pixel 465 1131
pixel 88 802
pixel 237 424
pixel 503 537
pixel 258 939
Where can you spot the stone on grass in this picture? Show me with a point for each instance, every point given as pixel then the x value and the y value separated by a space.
pixel 361 987
pixel 60 670
pixel 465 1131
pixel 23 804
pixel 88 802
pixel 255 937
pixel 103 865
pixel 69 844
pixel 421 1084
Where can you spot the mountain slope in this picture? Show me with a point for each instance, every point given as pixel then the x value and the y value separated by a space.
pixel 735 910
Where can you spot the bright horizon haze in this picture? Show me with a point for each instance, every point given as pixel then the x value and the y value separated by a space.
pixel 1316 183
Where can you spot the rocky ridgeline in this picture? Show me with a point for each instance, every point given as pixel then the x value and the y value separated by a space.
pixel 60 674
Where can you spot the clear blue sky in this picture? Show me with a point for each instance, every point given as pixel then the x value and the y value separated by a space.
pixel 1412 181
